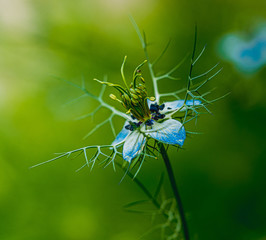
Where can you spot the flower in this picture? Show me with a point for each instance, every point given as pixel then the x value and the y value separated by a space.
pixel 147 119
pixel 245 50
pixel 161 127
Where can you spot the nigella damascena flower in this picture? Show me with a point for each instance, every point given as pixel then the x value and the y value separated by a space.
pixel 159 126
pixel 148 119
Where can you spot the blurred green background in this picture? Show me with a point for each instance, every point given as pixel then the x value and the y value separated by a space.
pixel 221 174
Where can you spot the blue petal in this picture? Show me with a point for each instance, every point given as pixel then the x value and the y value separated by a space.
pixel 133 145
pixel 175 105
pixel 247 55
pixel 122 135
pixel 193 102
pixel 170 132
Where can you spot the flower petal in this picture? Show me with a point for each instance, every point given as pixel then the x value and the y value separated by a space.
pixel 175 105
pixel 170 132
pixel 133 145
pixel 121 136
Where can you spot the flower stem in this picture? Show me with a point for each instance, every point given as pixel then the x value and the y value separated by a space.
pixel 145 190
pixel 175 190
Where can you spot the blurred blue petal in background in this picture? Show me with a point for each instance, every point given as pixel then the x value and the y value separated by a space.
pixel 248 53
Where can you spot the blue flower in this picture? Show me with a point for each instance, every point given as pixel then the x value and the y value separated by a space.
pixel 161 127
pixel 247 53
pixel 147 118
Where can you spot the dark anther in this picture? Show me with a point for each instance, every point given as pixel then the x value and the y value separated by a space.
pixel 138 71
pixel 133 117
pixel 133 126
pixel 161 107
pixel 128 127
pixel 154 107
pixel 160 116
pixel 149 122
pixel 138 124
pixel 169 108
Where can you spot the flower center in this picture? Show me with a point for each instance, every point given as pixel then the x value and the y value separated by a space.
pixel 136 102
pixel 155 115
pixel 134 97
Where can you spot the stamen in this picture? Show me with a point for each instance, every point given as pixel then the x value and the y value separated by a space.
pixel 149 122
pixel 142 79
pixel 156 116
pixel 133 126
pixel 161 116
pixel 112 96
pixel 154 108
pixel 129 127
pixel 138 124
pixel 161 107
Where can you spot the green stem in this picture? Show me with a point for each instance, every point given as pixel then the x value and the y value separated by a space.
pixel 175 190
pixel 145 190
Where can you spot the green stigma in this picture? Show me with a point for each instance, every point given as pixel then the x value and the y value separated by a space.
pixel 133 97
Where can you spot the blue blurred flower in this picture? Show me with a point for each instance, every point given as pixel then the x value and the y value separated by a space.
pixel 161 127
pixel 248 54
